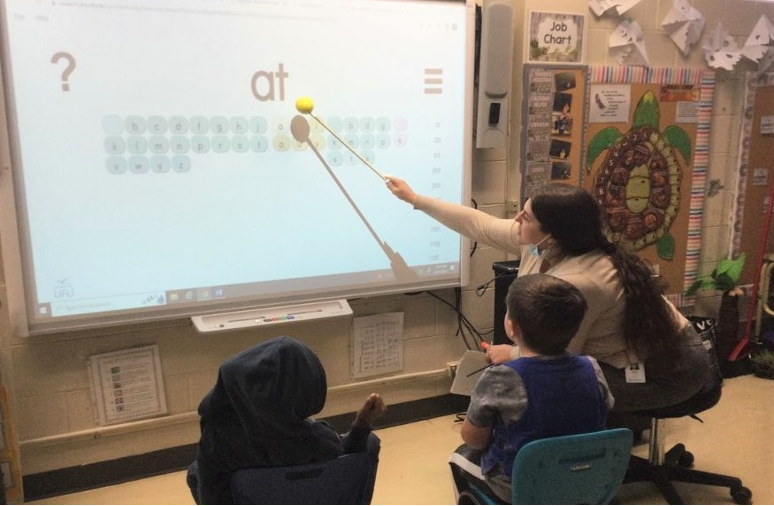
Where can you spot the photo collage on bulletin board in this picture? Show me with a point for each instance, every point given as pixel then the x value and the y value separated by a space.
pixel 554 116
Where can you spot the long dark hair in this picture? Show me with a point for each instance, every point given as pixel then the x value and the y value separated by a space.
pixel 574 220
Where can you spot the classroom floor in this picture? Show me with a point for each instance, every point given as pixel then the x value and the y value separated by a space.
pixel 735 439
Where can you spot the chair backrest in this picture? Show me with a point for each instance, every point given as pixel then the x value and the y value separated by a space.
pixel 339 481
pixel 579 469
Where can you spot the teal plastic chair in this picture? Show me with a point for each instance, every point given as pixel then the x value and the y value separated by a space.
pixel 578 469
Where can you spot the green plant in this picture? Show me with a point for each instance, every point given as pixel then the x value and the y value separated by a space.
pixel 724 277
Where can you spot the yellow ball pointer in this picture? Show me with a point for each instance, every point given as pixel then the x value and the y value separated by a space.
pixel 305 105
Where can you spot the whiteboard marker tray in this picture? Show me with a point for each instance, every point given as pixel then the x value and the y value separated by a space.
pixel 271 315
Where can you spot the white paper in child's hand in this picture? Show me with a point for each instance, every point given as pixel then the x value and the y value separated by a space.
pixel 469 370
pixel 684 24
pixel 720 49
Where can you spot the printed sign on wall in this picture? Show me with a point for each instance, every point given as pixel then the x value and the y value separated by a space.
pixel 556 37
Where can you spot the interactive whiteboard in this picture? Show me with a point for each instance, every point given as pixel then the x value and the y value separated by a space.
pixel 155 173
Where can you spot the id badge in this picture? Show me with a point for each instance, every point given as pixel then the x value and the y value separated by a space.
pixel 635 373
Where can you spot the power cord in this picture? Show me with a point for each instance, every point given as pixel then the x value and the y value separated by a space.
pixel 475 243
pixel 481 289
pixel 465 328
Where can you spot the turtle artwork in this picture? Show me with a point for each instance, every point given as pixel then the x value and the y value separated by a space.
pixel 638 184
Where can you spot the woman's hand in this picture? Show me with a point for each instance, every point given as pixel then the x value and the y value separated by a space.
pixel 400 189
pixel 500 353
pixel 372 409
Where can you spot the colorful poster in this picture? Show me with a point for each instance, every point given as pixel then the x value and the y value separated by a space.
pixel 646 163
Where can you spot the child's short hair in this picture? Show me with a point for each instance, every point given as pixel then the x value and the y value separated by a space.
pixel 547 310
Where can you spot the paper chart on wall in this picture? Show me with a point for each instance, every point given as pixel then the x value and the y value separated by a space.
pixel 610 103
pixel 377 345
pixel 552 134
pixel 127 385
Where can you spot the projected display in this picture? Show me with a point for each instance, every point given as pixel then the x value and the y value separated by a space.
pixel 156 171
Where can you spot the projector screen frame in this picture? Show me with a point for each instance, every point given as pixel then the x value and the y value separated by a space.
pixel 14 225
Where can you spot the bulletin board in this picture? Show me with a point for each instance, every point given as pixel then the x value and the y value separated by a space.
pixel 755 172
pixel 553 117
pixel 647 143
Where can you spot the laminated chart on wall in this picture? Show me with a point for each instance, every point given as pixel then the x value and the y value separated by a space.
pixel 127 385
pixel 646 162
pixel 554 113
pixel 377 346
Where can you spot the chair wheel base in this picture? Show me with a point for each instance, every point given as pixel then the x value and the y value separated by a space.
pixel 741 495
pixel 676 468
pixel 686 460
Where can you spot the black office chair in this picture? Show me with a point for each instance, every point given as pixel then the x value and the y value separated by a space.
pixel 675 465
pixel 345 480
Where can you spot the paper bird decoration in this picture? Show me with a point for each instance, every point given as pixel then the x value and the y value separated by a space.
pixel 758 41
pixel 599 7
pixel 684 24
pixel 720 49
pixel 627 45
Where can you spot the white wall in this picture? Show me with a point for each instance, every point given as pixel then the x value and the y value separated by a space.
pixel 51 398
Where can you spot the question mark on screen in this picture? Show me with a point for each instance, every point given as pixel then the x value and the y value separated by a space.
pixel 68 70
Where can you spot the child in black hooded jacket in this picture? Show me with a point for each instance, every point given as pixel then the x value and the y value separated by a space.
pixel 258 415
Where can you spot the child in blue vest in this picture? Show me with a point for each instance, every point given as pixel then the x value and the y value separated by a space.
pixel 545 392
